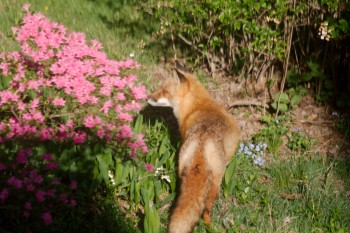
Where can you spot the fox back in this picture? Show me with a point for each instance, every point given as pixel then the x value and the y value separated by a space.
pixel 209 139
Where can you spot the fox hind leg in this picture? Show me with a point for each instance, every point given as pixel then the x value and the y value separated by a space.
pixel 213 193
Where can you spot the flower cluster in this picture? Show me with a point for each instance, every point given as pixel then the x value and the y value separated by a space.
pixel 61 86
pixel 256 152
pixel 28 182
pixel 324 31
pixel 162 174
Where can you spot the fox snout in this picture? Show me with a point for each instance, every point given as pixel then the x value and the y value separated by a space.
pixel 160 102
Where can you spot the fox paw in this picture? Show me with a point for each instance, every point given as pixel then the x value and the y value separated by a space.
pixel 206 217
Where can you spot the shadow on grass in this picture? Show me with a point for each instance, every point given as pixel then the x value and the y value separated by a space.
pixel 132 23
pixel 152 114
pixel 96 208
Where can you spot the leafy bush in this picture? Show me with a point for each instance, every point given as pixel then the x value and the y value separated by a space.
pixel 225 34
pixel 253 39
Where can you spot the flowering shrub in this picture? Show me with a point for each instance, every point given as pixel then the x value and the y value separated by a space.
pixel 62 87
pixel 61 96
pixel 30 188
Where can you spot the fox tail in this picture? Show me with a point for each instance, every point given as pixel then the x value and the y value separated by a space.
pixel 190 205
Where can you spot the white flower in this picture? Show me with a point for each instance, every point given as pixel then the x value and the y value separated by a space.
pixel 111 177
pixel 166 177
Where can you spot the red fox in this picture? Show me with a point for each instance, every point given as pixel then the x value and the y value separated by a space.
pixel 209 139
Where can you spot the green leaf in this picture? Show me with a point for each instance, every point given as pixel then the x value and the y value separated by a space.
pixel 274 105
pixel 138 123
pixel 283 107
pixel 343 25
pixel 306 77
pixel 118 172
pixel 144 196
pixel 5 82
pixel 295 100
pixel 152 220
pixel 73 170
pixel 167 200
pixel 284 97
pixel 163 148
pixel 102 167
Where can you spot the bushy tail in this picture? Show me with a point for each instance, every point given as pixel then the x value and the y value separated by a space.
pixel 193 194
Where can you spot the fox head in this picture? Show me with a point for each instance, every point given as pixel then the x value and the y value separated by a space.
pixel 183 93
pixel 171 90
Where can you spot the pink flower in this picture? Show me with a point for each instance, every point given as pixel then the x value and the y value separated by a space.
pixel 34 104
pixel 73 203
pixel 2 166
pixel 125 131
pixel 125 117
pixel 27 205
pixel 51 193
pixel 59 102
pixel 30 187
pixel 52 165
pixel 5 68
pixel 139 92
pixel 35 177
pixel 91 121
pixel 26 214
pixel 64 198
pixel 4 194
pixel 45 134
pixel 47 218
pixel 21 106
pixel 26 7
pixel 132 106
pixel 149 167
pixel 40 195
pixel 70 123
pixel 47 156
pixel 33 84
pixel 21 157
pixel 56 181
pixel 73 185
pixel 121 96
pixel 2 126
pixel 38 116
pixel 100 133
pixel 144 149
pixel 7 96
pixel 106 106
pixel 13 181
pixel 79 137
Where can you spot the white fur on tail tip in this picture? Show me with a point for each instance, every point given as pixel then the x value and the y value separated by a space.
pixel 161 102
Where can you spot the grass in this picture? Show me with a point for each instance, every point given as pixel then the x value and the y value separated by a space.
pixel 304 193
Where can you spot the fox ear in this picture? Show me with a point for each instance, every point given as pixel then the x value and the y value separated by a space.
pixel 180 71
pixel 178 66
pixel 181 75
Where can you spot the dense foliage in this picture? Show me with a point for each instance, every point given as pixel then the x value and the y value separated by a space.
pixel 263 39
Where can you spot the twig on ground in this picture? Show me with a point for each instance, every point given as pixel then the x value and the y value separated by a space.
pixel 248 103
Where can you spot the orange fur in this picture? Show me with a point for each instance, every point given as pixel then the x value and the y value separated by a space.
pixel 209 139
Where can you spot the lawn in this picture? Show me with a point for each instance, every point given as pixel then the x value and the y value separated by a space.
pixel 294 189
